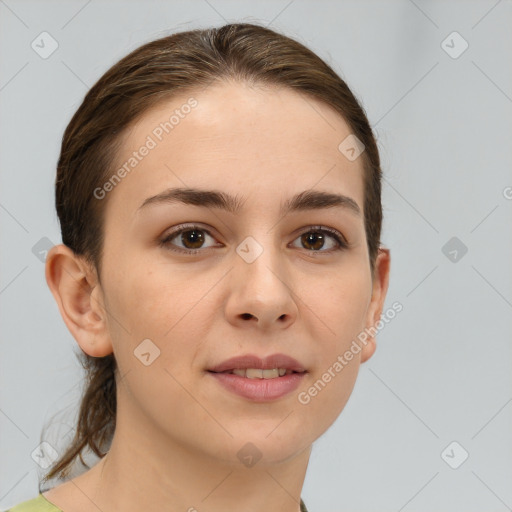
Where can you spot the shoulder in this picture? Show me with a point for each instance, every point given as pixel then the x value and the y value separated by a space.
pixel 38 504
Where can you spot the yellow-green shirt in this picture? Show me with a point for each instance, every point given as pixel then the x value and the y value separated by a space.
pixel 41 504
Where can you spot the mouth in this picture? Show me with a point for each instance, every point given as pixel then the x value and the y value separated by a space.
pixel 259 382
pixel 260 373
pixel 252 366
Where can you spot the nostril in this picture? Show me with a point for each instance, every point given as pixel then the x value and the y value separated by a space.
pixel 246 316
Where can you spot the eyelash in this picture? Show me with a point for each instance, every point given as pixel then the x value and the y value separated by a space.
pixel 165 242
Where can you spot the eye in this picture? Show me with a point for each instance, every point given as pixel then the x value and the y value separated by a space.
pixel 192 237
pixel 316 237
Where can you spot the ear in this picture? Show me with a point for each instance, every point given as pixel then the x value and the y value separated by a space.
pixel 379 291
pixel 79 296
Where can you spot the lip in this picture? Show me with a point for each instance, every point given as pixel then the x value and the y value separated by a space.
pixel 253 361
pixel 259 390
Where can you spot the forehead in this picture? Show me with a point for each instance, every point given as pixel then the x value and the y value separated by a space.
pixel 267 143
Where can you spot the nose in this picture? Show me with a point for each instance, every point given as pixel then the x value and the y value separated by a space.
pixel 261 294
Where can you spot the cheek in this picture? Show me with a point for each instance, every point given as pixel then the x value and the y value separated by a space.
pixel 160 303
pixel 340 301
pixel 143 294
pixel 328 390
pixel 340 307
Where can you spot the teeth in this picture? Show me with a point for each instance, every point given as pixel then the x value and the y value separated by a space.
pixel 256 373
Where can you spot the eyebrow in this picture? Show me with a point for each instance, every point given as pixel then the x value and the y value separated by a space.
pixel 307 200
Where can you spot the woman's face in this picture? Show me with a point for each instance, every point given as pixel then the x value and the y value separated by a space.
pixel 254 284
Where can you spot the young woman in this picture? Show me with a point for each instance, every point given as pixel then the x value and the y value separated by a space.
pixel 219 195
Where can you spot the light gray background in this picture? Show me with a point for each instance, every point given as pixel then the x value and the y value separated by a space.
pixel 442 370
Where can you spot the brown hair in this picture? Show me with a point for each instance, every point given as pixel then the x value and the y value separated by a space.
pixel 153 72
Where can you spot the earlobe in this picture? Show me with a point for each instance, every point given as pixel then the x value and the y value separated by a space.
pixel 78 296
pixel 369 349
pixel 379 291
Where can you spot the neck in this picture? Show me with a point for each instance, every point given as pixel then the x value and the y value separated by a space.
pixel 145 469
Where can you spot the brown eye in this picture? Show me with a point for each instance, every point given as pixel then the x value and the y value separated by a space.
pixel 192 239
pixel 316 239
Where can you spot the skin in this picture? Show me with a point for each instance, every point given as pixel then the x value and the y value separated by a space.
pixel 178 431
